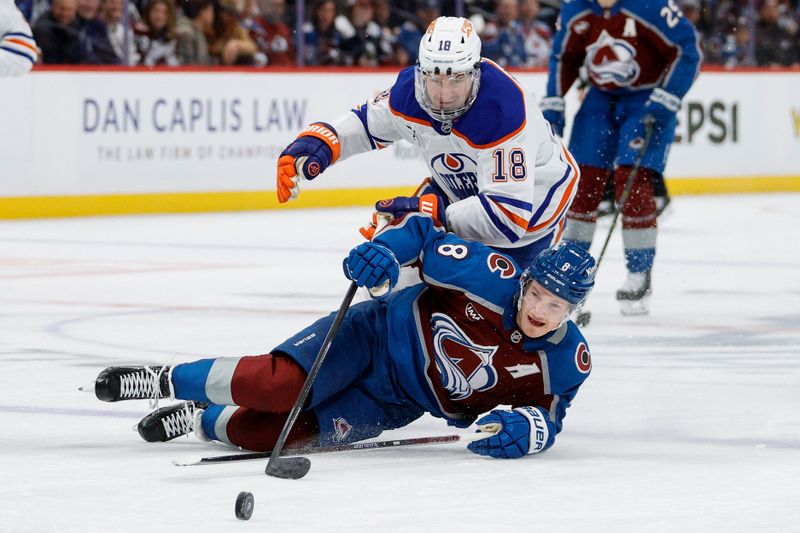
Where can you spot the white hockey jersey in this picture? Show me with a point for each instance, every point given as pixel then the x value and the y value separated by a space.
pixel 18 51
pixel 508 179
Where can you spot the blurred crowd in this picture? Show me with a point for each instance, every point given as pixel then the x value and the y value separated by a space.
pixel 515 33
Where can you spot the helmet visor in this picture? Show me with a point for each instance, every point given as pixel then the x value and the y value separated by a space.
pixel 446 96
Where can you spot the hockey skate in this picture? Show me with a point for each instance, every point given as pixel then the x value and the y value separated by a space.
pixel 172 422
pixel 634 295
pixel 663 205
pixel 117 383
pixel 606 208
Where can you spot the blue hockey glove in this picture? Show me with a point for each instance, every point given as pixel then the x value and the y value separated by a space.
pixel 661 107
pixel 514 439
pixel 371 265
pixel 316 148
pixel 553 110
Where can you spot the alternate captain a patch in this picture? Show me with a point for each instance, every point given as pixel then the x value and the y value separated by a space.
pixel 582 359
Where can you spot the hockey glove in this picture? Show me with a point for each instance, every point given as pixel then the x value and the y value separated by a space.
pixel 371 265
pixel 316 148
pixel 553 110
pixel 514 439
pixel 387 210
pixel 660 107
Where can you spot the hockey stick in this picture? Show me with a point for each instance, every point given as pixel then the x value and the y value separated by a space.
pixel 487 431
pixel 583 317
pixel 297 467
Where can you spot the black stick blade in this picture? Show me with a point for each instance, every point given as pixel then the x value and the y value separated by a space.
pixel 288 467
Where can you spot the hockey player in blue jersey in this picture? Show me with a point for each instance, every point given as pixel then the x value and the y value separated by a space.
pixel 478 333
pixel 498 174
pixel 641 56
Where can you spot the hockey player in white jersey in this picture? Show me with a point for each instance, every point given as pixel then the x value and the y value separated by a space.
pixel 498 174
pixel 18 51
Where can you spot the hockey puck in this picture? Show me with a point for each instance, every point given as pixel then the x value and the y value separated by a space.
pixel 245 502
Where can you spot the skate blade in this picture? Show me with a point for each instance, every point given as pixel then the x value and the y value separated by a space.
pixel 634 307
pixel 89 387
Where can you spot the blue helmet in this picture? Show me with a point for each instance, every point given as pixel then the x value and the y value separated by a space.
pixel 567 270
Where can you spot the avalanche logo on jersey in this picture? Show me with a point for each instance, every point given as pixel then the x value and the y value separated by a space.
pixel 458 172
pixel 612 61
pixel 341 429
pixel 464 366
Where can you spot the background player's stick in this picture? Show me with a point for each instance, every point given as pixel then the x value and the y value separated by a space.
pixel 486 431
pixel 583 317
pixel 297 467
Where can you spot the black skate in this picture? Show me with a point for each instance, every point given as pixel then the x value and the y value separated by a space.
pixel 171 422
pixel 634 295
pixel 117 383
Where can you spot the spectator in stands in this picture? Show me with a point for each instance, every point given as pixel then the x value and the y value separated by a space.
pixel 271 34
pixel 95 46
pixel 191 30
pixel 425 12
pixel 230 44
pixel 155 39
pixel 57 34
pixel 364 44
pixel 119 35
pixel 737 51
pixel 774 44
pixel 322 39
pixel 537 35
pixel 503 40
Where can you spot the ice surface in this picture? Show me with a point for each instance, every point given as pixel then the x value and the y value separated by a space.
pixel 689 422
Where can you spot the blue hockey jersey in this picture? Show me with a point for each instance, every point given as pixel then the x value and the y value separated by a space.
pixel 454 339
pixel 635 45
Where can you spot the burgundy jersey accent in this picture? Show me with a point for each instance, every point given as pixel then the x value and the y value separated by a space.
pixel 622 51
pixel 471 368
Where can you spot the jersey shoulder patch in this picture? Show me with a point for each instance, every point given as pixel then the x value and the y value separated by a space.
pixel 498 113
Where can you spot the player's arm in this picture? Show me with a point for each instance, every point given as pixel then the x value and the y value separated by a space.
pixel 680 41
pixel 18 51
pixel 525 430
pixel 532 428
pixel 446 260
pixel 564 66
pixel 368 127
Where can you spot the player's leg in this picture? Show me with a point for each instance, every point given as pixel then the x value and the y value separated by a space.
pixel 639 227
pixel 592 142
pixel 268 382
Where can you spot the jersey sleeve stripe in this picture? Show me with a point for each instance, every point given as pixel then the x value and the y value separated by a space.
pixel 375 142
pixel 19 53
pixel 20 42
pixel 505 230
pixel 511 201
pixel 572 170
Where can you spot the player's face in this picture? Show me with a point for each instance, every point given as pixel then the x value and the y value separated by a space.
pixel 541 311
pixel 606 4
pixel 448 93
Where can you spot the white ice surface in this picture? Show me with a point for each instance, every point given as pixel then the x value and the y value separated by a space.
pixel 689 422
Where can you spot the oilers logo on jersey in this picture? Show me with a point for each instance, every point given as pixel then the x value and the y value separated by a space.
pixel 612 61
pixel 464 366
pixel 458 171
